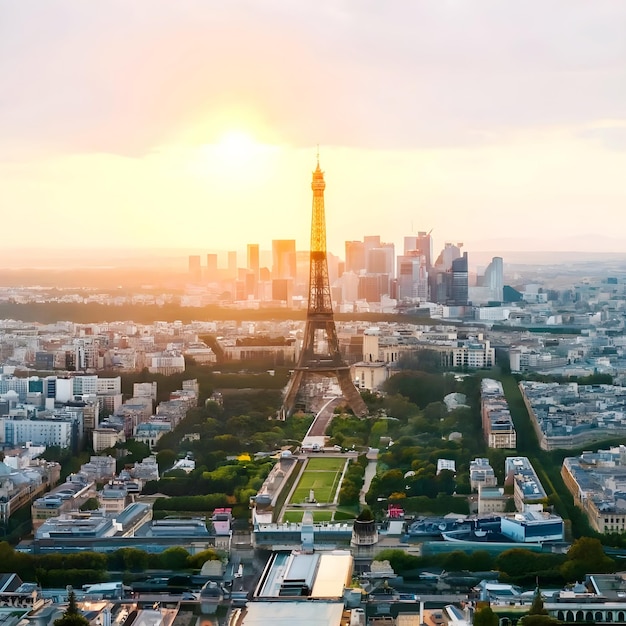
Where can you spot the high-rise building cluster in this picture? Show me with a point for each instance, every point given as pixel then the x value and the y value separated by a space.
pixel 372 272
pixel 279 275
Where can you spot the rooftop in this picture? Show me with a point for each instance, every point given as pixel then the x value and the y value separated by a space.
pixel 314 576
pixel 301 613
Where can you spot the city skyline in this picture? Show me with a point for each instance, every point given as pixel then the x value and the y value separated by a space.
pixel 195 125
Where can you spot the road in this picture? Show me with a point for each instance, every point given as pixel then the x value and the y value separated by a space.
pixel 321 421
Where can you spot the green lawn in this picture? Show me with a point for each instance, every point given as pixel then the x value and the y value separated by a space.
pixel 325 464
pixel 345 513
pixel 322 475
pixel 292 516
pixel 318 516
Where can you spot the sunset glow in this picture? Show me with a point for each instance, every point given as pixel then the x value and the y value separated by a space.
pixel 476 133
pixel 237 146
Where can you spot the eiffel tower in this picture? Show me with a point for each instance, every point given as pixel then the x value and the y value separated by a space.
pixel 320 320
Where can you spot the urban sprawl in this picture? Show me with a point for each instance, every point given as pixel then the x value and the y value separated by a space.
pixel 345 515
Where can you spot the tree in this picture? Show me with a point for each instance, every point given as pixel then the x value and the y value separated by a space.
pixel 174 558
pixel 542 619
pixel 391 481
pixel 8 557
pixel 586 556
pixel 445 482
pixel 91 504
pixel 349 493
pixel 379 429
pixel 509 506
pixel 485 617
pixel 128 559
pixel 419 388
pixel 518 562
pixel 166 459
pixel 72 616
pixel 435 411
pixel 399 560
pixel 481 561
pixel 196 561
pixel 396 405
pixel 456 561
pixel 365 515
pixel 537 607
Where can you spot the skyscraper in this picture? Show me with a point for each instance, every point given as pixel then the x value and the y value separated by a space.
pixel 412 277
pixel 381 259
pixel 282 290
pixel 253 266
pixel 195 270
pixel 372 287
pixel 459 281
pixel 494 279
pixel 377 261
pixel 211 267
pixel 370 242
pixel 422 244
pixel 440 276
pixel 284 258
pixel 448 254
pixel 355 256
pixel 253 258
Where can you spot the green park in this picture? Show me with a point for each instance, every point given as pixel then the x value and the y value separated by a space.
pixel 321 476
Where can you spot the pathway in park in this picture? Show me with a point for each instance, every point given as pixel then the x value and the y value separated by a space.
pixel 316 433
pixel 370 472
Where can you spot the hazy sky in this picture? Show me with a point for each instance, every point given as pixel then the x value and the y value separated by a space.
pixel 193 123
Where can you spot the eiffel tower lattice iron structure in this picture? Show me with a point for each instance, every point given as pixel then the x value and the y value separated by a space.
pixel 320 319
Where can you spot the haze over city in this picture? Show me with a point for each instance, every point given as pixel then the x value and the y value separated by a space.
pixel 160 125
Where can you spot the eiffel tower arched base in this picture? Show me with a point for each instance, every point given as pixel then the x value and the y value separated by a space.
pixel 301 376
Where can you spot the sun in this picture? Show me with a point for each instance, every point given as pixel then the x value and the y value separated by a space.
pixel 236 145
pixel 234 157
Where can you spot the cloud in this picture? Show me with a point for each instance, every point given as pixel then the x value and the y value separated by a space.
pixel 612 137
pixel 125 77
